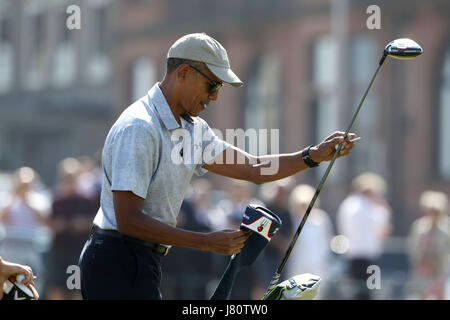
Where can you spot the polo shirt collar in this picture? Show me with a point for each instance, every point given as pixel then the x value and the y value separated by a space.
pixel 162 107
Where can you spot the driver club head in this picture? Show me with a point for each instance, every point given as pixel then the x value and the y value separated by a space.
pixel 403 49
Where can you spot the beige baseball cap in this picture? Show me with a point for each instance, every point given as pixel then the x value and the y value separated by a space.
pixel 202 48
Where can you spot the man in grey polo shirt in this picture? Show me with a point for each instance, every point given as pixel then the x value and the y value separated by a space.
pixel 147 172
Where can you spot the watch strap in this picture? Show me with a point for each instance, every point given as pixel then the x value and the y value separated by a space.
pixel 307 158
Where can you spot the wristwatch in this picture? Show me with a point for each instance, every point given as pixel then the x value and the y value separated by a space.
pixel 307 158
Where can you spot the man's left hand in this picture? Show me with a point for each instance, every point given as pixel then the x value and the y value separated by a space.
pixel 325 150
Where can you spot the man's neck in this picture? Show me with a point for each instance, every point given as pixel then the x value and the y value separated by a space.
pixel 168 93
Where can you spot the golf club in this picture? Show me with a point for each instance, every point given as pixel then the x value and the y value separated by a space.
pixel 400 49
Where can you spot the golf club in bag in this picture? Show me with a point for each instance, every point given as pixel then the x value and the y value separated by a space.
pixel 399 49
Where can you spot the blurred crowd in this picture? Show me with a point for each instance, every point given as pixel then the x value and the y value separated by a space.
pixel 341 247
pixel 45 228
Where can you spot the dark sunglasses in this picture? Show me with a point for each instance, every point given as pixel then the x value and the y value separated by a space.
pixel 214 85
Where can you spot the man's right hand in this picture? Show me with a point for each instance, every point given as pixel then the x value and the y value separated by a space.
pixel 132 222
pixel 8 269
pixel 226 242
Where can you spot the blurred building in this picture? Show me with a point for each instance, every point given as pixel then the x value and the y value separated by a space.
pixel 56 89
pixel 305 65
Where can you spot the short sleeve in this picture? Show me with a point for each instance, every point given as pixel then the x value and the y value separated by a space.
pixel 134 159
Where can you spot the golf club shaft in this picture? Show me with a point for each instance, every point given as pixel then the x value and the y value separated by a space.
pixel 276 277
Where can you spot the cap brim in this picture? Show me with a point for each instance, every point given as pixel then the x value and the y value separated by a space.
pixel 226 75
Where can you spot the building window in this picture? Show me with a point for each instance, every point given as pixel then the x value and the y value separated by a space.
pixel 264 105
pixel 6 55
pixel 363 63
pixel 99 64
pixel 327 83
pixel 142 78
pixel 324 78
pixel 35 43
pixel 324 73
pixel 444 119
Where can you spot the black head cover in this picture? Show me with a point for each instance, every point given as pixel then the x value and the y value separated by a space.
pixel 264 224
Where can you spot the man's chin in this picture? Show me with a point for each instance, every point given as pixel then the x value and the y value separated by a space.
pixel 196 113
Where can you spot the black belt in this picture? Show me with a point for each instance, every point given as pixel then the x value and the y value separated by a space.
pixel 163 250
